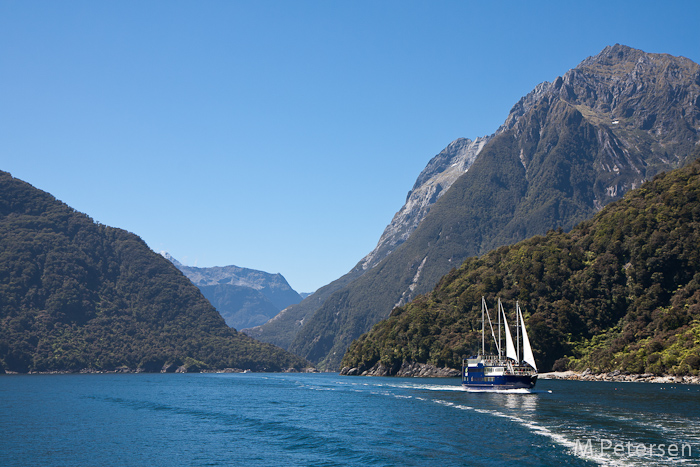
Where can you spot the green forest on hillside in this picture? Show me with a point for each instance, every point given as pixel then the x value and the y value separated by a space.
pixel 566 150
pixel 620 291
pixel 75 294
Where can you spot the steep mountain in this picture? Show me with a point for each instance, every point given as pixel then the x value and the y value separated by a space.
pixel 566 149
pixel 240 306
pixel 244 297
pixel 283 327
pixel 437 177
pixel 75 294
pixel 273 286
pixel 440 173
pixel 618 292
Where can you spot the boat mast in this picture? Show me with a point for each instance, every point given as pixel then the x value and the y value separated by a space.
pixel 483 341
pixel 498 345
pixel 499 328
pixel 517 328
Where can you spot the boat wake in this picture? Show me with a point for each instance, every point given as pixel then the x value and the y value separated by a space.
pixel 507 391
pixel 572 436
pixel 558 438
pixel 431 387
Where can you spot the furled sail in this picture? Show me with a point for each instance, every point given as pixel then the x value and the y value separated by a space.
pixel 527 350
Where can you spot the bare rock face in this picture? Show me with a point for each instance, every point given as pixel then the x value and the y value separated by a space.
pixel 437 177
pixel 567 149
pixel 644 109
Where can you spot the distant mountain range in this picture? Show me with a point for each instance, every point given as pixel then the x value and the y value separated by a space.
pixel 244 297
pixel 75 294
pixel 78 295
pixel 567 149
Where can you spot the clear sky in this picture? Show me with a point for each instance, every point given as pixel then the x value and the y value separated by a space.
pixel 279 135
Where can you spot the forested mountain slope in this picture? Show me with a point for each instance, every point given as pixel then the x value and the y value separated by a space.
pixel 618 292
pixel 75 294
pixel 567 149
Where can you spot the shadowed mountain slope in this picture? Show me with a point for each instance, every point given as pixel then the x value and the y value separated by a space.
pixel 618 292
pixel 567 149
pixel 437 177
pixel 75 294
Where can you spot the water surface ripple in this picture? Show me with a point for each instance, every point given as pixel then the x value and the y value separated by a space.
pixel 328 420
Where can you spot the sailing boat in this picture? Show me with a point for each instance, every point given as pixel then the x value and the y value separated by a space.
pixel 487 371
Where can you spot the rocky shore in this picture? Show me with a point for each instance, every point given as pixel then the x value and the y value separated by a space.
pixel 415 370
pixel 620 377
pixel 421 370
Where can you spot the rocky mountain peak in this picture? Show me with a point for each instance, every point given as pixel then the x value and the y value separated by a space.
pixel 170 258
pixel 524 105
pixel 567 148
pixel 437 177
pixel 274 287
pixel 635 102
pixel 624 87
pixel 637 89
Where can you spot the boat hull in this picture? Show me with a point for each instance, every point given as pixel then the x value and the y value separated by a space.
pixel 501 382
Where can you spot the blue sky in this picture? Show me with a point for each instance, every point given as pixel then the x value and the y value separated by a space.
pixel 279 135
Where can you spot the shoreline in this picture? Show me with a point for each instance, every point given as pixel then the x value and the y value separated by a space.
pixel 126 370
pixel 422 370
pixel 620 377
pixel 411 370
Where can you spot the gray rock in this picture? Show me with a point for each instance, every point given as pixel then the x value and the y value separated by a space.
pixel 437 177
pixel 169 368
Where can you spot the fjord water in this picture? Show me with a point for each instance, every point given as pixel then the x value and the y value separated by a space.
pixel 326 419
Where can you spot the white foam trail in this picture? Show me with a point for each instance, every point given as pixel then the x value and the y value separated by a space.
pixel 562 436
pixel 543 431
pixel 430 387
pixel 566 439
pixel 505 391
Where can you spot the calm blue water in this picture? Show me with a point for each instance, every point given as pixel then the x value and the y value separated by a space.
pixel 327 420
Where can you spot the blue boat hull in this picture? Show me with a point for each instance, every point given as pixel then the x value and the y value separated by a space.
pixel 499 382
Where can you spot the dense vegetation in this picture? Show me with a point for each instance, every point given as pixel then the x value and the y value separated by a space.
pixel 620 291
pixel 76 295
pixel 567 149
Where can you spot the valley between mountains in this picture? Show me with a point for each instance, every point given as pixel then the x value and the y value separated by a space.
pixel 584 205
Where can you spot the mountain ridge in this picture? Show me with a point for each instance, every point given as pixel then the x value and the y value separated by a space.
pixel 620 292
pixel 566 149
pixel 433 181
pixel 244 297
pixel 78 295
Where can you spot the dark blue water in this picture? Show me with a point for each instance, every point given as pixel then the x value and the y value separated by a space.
pixel 328 420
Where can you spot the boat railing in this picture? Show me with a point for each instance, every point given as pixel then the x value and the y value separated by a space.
pixel 511 366
pixel 522 371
